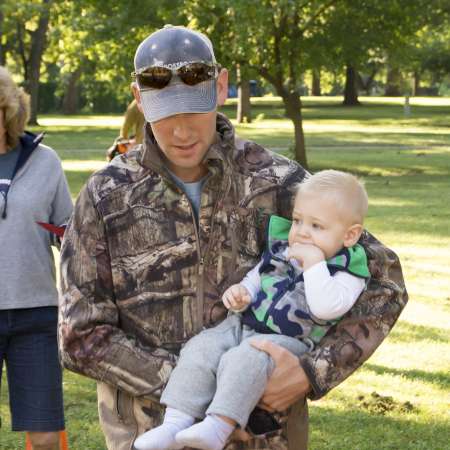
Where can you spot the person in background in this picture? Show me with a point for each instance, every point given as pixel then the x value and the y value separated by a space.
pixel 131 133
pixel 133 124
pixel 160 233
pixel 33 189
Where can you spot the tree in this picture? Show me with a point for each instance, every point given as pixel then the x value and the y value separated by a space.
pixel 315 88
pixel 271 38
pixel 360 35
pixel 394 81
pixel 427 55
pixel 283 39
pixel 351 87
pixel 2 49
pixel 94 41
pixel 25 29
pixel 244 113
pixel 215 20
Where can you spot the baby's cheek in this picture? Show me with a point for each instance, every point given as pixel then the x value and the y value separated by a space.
pixel 291 236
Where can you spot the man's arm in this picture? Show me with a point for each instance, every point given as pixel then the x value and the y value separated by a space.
pixel 91 340
pixel 350 343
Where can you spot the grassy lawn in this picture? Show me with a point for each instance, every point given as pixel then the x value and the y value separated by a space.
pixel 400 398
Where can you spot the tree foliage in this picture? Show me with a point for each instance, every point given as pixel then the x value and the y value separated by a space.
pixel 84 49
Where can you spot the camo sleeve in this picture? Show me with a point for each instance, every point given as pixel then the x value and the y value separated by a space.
pixel 363 328
pixel 91 342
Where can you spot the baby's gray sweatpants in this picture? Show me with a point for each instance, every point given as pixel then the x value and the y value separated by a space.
pixel 219 372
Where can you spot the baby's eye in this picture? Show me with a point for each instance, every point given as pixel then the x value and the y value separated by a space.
pixel 317 226
pixel 297 221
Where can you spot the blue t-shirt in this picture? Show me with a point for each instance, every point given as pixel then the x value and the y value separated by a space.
pixel 192 190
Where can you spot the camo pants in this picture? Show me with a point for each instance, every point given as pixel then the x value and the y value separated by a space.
pixel 123 418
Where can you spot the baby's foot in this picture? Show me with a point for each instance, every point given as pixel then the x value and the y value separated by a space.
pixel 211 434
pixel 160 438
pixel 163 437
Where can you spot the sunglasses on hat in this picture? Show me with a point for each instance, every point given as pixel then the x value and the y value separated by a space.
pixel 158 77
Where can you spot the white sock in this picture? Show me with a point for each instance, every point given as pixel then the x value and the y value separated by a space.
pixel 163 437
pixel 211 434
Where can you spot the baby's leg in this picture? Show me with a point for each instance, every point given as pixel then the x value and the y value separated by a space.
pixel 191 385
pixel 243 374
pixel 241 379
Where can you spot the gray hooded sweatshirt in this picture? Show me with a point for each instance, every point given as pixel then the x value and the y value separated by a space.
pixel 37 191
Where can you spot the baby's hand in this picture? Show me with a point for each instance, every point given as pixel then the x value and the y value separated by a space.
pixel 236 298
pixel 306 254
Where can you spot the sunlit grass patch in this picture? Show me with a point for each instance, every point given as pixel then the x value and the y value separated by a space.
pixel 91 121
pixel 82 165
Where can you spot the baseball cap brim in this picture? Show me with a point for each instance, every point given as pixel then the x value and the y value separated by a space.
pixel 178 98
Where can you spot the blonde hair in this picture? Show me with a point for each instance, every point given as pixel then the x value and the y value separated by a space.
pixel 15 104
pixel 343 189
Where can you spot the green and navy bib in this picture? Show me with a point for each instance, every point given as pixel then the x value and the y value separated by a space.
pixel 280 305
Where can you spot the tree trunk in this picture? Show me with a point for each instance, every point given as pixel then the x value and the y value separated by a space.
pixel 416 85
pixel 72 93
pixel 38 43
pixel 293 106
pixel 244 113
pixel 315 88
pixel 393 81
pixel 351 87
pixel 2 49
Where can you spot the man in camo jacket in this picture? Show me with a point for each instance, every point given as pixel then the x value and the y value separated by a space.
pixel 162 231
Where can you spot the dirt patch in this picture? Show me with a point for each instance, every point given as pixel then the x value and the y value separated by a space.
pixel 380 404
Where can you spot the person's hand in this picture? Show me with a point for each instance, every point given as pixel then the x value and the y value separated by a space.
pixel 306 254
pixel 288 382
pixel 236 298
pixel 240 435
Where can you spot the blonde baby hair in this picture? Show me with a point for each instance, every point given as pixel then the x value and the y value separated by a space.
pixel 345 190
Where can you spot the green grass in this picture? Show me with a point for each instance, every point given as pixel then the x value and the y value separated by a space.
pixel 405 163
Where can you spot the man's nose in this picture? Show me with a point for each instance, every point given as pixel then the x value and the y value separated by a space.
pixel 182 130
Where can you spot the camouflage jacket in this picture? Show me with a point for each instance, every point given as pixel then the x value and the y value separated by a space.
pixel 139 277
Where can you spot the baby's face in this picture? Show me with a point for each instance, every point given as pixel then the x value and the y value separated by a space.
pixel 316 220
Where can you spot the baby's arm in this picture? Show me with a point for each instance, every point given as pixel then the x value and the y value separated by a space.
pixel 238 296
pixel 330 297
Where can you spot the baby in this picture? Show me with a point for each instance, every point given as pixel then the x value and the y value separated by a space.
pixel 310 275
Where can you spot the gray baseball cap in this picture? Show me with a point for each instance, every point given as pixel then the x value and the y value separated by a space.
pixel 173 47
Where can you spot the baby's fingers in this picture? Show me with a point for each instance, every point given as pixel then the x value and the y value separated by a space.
pixel 226 301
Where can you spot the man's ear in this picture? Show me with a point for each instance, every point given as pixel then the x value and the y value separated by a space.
pixel 352 235
pixel 137 96
pixel 222 87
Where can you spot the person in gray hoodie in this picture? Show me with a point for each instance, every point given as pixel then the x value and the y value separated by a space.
pixel 33 190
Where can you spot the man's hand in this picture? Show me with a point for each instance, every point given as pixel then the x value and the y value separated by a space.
pixel 288 382
pixel 236 298
pixel 306 254
pixel 240 435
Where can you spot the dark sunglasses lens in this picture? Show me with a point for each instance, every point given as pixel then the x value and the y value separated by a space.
pixel 195 73
pixel 154 78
